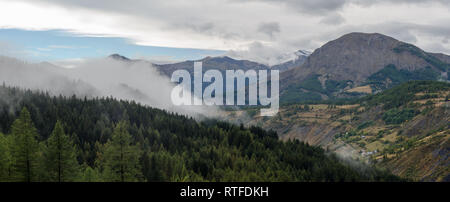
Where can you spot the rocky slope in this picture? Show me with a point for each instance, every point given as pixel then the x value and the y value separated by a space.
pixel 300 57
pixel 405 129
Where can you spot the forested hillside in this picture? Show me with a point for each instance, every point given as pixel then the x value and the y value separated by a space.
pixel 44 138
pixel 405 129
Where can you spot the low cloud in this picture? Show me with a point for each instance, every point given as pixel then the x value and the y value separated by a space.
pixel 138 81
pixel 264 53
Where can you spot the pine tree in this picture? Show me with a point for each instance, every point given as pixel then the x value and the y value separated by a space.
pixel 5 158
pixel 89 174
pixel 121 157
pixel 60 156
pixel 24 148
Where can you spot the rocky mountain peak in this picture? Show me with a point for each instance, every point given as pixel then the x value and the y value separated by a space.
pixel 119 57
pixel 356 56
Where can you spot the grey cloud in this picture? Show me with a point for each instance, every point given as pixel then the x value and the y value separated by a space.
pixel 198 27
pixel 269 28
pixel 324 7
pixel 401 31
pixel 264 54
pixel 229 19
pixel 333 19
pixel 371 2
pixel 173 9
pixel 436 47
pixel 206 28
pixel 311 6
pixel 408 31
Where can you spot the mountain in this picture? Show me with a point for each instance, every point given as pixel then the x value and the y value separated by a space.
pixel 222 64
pixel 359 59
pixel 299 57
pixel 119 57
pixel 404 129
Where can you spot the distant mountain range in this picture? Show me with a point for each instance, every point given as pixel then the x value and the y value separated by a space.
pixel 219 63
pixel 352 65
pixel 223 63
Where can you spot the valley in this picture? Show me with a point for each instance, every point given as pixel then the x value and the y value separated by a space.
pixel 405 129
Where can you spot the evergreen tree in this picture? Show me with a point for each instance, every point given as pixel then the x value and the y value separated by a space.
pixel 24 148
pixel 60 156
pixel 121 157
pixel 89 174
pixel 5 158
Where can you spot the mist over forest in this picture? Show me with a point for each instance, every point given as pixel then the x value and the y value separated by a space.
pixel 100 77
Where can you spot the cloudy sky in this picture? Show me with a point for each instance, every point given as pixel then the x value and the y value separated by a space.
pixel 191 29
